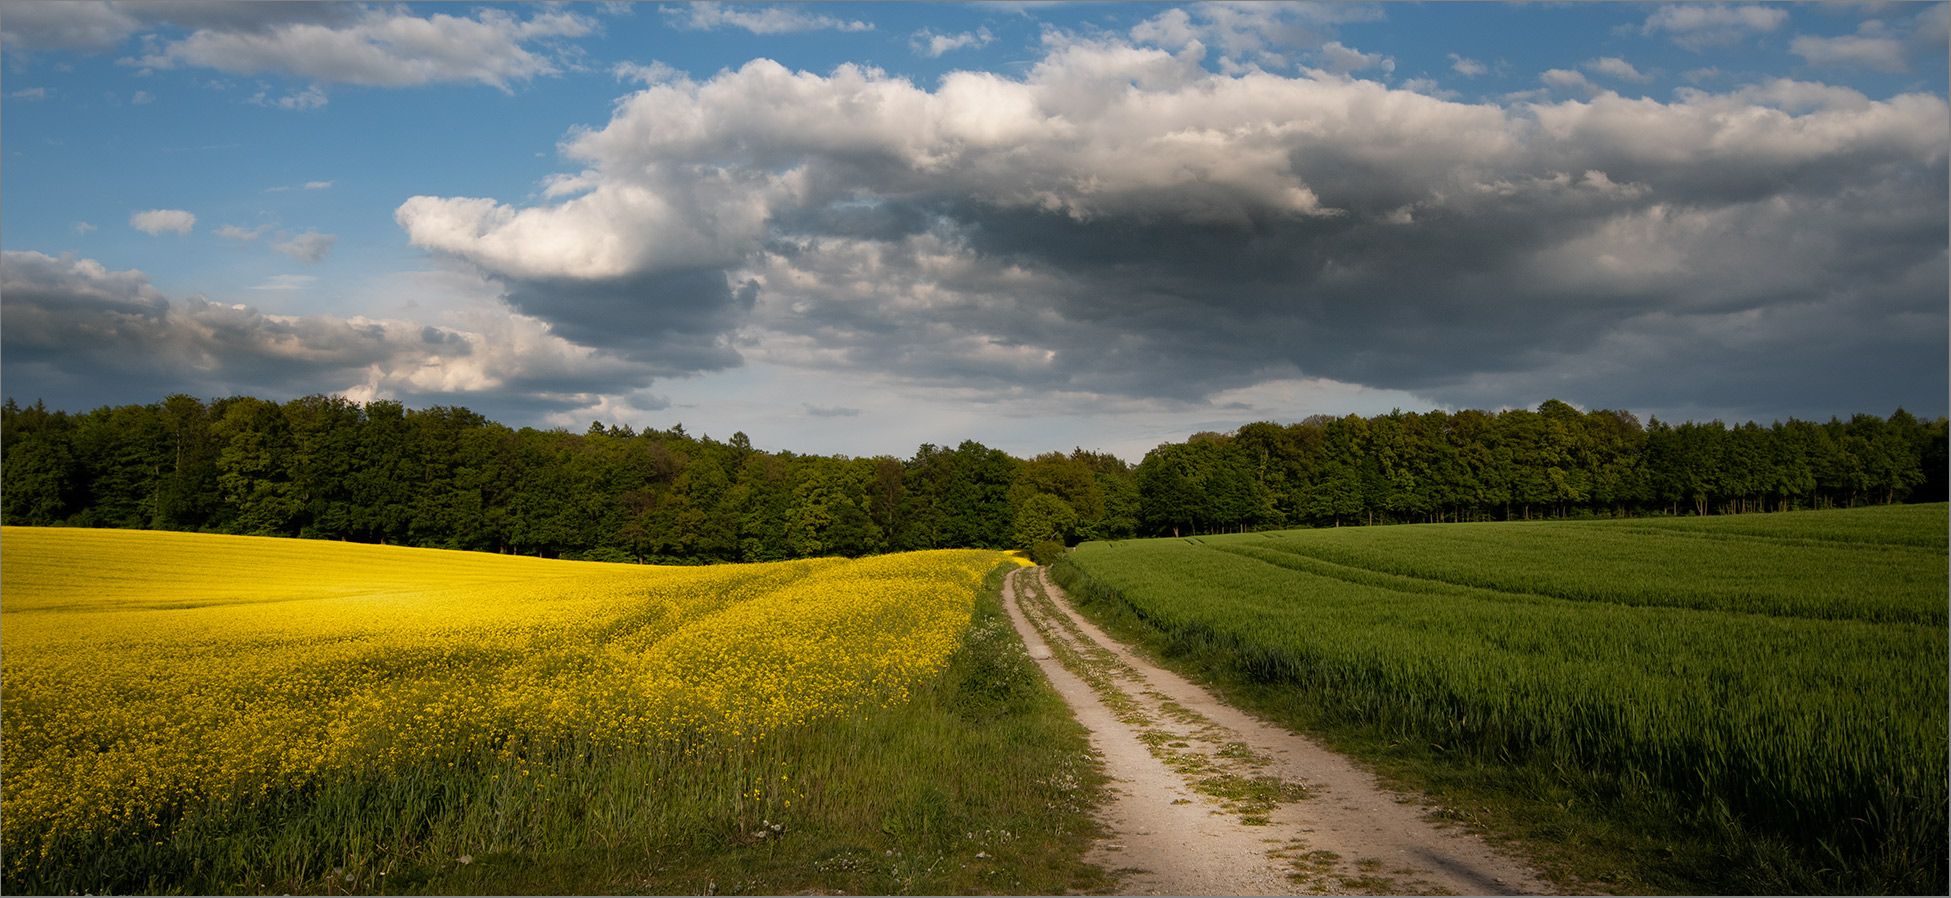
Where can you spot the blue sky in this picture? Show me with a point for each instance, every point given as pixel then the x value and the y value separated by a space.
pixel 854 228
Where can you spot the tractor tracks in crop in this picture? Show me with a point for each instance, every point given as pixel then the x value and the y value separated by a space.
pixel 1208 800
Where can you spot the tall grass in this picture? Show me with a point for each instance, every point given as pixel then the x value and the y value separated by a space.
pixel 1822 725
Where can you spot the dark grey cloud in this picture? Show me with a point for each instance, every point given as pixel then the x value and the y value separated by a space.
pixel 76 333
pixel 64 25
pixel 1870 350
pixel 1524 284
pixel 325 43
pixel 672 322
pixel 1124 222
pixel 241 15
pixel 99 25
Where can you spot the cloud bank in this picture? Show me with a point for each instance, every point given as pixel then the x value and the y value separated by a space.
pixel 83 331
pixel 1222 201
pixel 1123 222
pixel 327 43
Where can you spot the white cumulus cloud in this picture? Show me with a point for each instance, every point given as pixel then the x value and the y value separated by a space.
pixel 1342 60
pixel 927 43
pixel 1869 51
pixel 1120 220
pixel 310 98
pixel 1567 79
pixel 381 47
pixel 1697 26
pixel 1616 67
pixel 240 233
pixel 761 20
pixel 1882 44
pixel 157 221
pixel 286 282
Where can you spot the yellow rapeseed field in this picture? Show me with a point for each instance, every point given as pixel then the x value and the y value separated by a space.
pixel 144 671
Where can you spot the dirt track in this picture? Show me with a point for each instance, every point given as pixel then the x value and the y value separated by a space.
pixel 1208 800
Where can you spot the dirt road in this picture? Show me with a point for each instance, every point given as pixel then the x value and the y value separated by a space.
pixel 1208 800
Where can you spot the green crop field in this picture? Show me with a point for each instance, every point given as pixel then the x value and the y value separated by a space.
pixel 1780 678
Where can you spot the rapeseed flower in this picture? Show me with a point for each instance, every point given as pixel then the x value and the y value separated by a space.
pixel 145 671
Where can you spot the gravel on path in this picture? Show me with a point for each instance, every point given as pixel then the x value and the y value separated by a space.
pixel 1207 800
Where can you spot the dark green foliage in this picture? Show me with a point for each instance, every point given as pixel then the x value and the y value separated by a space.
pixel 1046 552
pixel 39 478
pixel 325 467
pixel 954 498
pixel 1520 464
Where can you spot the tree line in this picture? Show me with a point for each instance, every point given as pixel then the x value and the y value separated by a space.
pixel 1554 461
pixel 325 467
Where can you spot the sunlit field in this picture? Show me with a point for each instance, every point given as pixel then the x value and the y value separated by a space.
pixel 341 710
pixel 1777 681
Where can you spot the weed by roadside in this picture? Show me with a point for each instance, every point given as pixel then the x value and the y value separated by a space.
pixel 983 783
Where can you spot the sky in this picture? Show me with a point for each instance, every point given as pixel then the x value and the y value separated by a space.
pixel 856 228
